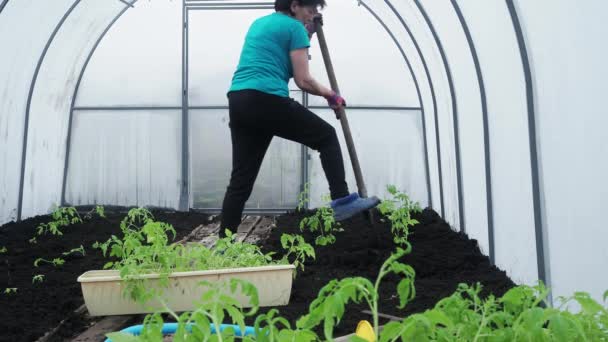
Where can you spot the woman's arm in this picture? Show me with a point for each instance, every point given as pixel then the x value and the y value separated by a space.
pixel 302 77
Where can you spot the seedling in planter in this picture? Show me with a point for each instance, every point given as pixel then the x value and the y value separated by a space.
pixel 39 278
pixel 330 304
pixel 145 249
pixel 3 250
pixel 298 247
pixel 55 262
pixel 399 212
pixel 10 290
pixel 75 250
pixel 99 210
pixel 324 223
pixel 62 217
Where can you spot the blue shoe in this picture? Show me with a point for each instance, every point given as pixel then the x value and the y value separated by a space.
pixel 351 205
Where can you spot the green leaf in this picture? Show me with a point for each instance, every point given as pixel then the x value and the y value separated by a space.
pixel 405 289
pixel 588 304
pixel 390 331
pixel 289 335
pixel 562 328
pixel 438 317
pixel 605 295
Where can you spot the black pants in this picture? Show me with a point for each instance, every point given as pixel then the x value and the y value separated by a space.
pixel 255 117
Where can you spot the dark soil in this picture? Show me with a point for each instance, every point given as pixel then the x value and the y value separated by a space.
pixel 441 257
pixel 37 308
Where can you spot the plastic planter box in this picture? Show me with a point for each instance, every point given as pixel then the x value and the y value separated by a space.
pixel 103 290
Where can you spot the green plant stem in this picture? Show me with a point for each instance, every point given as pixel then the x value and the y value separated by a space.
pixel 381 275
pixel 168 310
pixel 218 333
pixel 483 323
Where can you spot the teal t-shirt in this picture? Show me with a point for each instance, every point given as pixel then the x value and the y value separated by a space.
pixel 265 64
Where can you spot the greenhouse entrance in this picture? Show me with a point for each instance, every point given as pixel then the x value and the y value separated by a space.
pixel 284 170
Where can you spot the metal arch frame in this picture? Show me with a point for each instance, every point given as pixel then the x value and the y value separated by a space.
pixel 454 112
pixel 4 2
pixel 413 75
pixel 539 227
pixel 130 4
pixel 75 94
pixel 432 88
pixel 486 129
pixel 29 102
pixel 184 195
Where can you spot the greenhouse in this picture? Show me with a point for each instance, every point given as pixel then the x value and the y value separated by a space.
pixel 303 170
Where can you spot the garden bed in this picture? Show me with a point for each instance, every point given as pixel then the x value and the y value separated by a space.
pixel 37 308
pixel 441 257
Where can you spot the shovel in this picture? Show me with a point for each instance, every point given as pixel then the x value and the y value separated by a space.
pixel 342 115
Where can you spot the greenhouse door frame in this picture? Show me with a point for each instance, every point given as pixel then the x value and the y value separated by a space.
pixel 193 5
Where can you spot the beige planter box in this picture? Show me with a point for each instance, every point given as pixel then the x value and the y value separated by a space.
pixel 103 290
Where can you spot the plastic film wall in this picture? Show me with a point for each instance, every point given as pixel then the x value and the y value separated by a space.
pixel 490 112
pixel 40 75
pixel 568 64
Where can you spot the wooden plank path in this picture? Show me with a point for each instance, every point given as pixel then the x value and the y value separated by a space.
pixel 252 229
pixel 108 324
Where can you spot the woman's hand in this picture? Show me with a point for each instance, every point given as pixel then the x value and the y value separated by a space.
pixel 312 26
pixel 336 102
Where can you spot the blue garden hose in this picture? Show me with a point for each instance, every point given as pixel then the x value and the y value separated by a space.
pixel 170 328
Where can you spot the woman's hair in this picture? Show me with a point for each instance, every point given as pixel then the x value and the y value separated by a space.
pixel 285 5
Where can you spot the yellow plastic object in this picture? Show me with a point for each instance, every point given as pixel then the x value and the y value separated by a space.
pixel 365 331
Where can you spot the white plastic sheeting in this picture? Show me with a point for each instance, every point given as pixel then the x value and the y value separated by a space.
pixel 414 59
pixel 401 16
pixel 51 101
pixel 139 60
pixel 399 160
pixel 470 142
pixel 568 57
pixel 125 158
pixel 514 229
pixel 213 52
pixel 278 181
pixel 370 70
pixel 25 43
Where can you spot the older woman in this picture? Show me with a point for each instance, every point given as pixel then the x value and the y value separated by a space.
pixel 275 50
